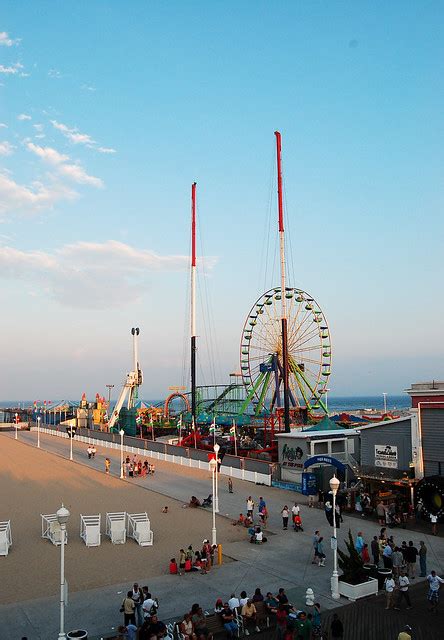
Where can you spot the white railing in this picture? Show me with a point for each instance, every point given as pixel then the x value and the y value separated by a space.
pixel 240 474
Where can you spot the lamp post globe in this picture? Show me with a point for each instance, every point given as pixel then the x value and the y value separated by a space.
pixel 334 486
pixel 62 515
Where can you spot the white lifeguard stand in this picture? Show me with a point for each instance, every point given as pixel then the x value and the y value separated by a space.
pixel 116 527
pixel 90 530
pixel 51 529
pixel 138 527
pixel 5 537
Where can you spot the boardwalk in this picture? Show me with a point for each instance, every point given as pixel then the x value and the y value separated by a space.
pixel 367 619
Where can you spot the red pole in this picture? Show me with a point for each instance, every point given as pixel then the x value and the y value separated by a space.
pixel 193 224
pixel 279 172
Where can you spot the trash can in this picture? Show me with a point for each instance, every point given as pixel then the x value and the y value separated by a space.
pixel 371 570
pixel 79 634
pixel 382 575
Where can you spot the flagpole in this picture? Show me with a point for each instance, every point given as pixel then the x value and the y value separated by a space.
pixel 180 429
pixel 152 427
pixel 193 426
pixel 214 430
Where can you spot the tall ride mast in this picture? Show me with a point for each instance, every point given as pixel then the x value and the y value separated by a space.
pixel 283 290
pixel 193 302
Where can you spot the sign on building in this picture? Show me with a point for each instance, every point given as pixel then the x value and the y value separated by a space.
pixel 386 455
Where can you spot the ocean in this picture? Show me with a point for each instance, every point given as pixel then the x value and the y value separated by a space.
pixel 336 404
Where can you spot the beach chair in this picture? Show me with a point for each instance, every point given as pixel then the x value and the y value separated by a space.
pixel 5 537
pixel 138 527
pixel 90 530
pixel 51 529
pixel 116 527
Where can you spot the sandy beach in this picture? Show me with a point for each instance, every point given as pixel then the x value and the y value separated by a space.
pixel 33 482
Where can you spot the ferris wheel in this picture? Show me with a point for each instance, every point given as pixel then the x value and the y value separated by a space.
pixel 309 352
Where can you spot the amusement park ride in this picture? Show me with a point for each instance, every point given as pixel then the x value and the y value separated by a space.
pixel 285 358
pixel 134 380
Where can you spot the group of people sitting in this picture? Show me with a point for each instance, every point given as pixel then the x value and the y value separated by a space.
pixel 190 560
pixel 243 612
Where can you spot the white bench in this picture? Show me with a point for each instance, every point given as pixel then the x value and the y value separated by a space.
pixel 90 530
pixel 138 527
pixel 116 527
pixel 5 537
pixel 51 529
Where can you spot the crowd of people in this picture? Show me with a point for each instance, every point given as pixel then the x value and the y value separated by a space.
pixel 200 560
pixel 243 613
pixel 134 467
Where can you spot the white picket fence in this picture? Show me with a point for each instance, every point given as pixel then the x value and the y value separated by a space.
pixel 241 474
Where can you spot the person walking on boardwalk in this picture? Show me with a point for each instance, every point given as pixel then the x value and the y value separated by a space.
pixel 375 550
pixel 389 586
pixel 250 506
pixel 403 592
pixel 433 595
pixel 230 485
pixel 336 628
pixel 422 559
pixel 285 514
pixel 411 554
pixel 434 521
pixel 107 465
pixel 314 543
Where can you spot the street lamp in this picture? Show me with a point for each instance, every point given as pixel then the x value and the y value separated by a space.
pixel 334 486
pixel 216 482
pixel 122 433
pixel 62 518
pixel 70 442
pixel 16 425
pixel 213 467
pixel 38 432
pixel 385 402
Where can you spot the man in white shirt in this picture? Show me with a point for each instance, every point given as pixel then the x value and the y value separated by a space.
pixel 233 602
pixel 403 592
pixel 243 599
pixel 389 591
pixel 150 606
pixel 433 595
pixel 434 520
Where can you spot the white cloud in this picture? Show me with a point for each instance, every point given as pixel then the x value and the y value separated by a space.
pixel 72 134
pixel 78 174
pixel 79 274
pixel 6 41
pixel 39 136
pixel 106 150
pixel 88 87
pixel 74 172
pixel 11 70
pixel 38 127
pixel 17 198
pixel 24 116
pixel 3 125
pixel 6 148
pixel 55 73
pixel 47 154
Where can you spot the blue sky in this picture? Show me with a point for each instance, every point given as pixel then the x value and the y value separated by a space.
pixel 112 110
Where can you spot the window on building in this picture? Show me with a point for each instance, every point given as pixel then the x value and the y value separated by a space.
pixel 338 446
pixel 320 448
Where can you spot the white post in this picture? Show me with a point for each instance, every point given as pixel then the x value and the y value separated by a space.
pixel 385 402
pixel 213 465
pixel 334 484
pixel 180 429
pixel 216 482
pixel 70 442
pixel 121 453
pixel 235 438
pixel 38 432
pixel 62 517
pixel 16 425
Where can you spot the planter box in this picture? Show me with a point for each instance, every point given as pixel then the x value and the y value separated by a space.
pixel 355 591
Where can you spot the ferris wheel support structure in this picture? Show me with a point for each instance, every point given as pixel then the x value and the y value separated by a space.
pixel 283 305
